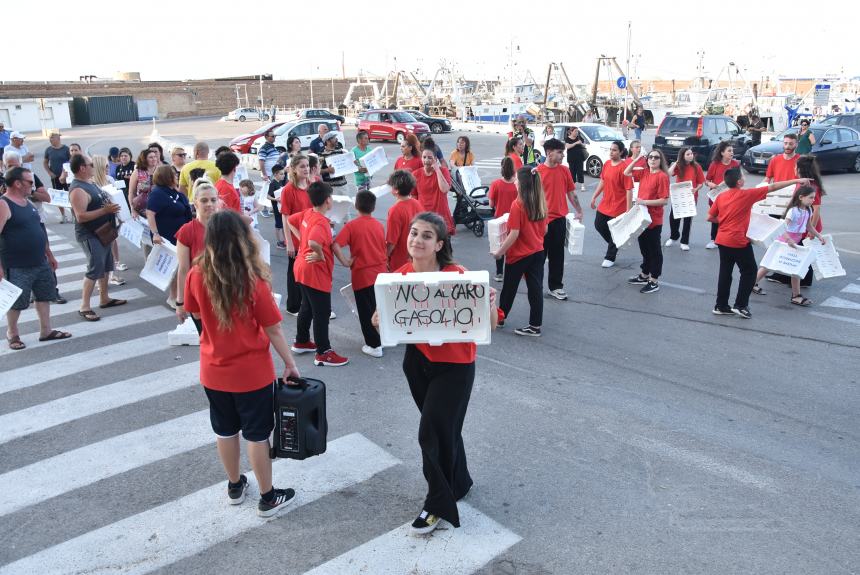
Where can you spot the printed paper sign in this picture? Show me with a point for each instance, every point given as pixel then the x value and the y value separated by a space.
pixel 712 194
pixel 683 200
pixel 764 230
pixel 826 264
pixel 59 198
pixel 434 308
pixel 470 178
pixel 575 235
pixel 132 231
pixel 349 295
pixel 629 225
pixel 343 164
pixel 118 198
pixel 781 257
pixel 381 191
pixel 339 208
pixel 160 266
pixel 9 294
pixel 374 160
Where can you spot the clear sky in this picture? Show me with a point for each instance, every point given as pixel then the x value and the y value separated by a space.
pixel 174 40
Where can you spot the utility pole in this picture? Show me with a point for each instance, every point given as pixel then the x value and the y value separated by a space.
pixel 262 102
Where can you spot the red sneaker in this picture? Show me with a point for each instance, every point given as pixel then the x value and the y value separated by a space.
pixel 306 347
pixel 330 358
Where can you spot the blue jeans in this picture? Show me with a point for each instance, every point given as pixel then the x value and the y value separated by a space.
pixel 638 132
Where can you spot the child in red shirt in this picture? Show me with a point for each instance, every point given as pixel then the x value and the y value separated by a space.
pixel 502 194
pixel 617 198
pixel 400 217
pixel 367 258
pixel 240 322
pixel 314 268
pixel 294 200
pixel 685 169
pixel 722 161
pixel 654 194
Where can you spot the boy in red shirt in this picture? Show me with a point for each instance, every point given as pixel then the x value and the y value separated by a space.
pixel 731 211
pixel 367 258
pixel 558 187
pixel 400 217
pixel 314 267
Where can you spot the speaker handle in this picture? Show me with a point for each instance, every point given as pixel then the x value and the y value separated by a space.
pixel 293 382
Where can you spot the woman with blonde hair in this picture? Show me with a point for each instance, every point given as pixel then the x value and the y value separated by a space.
pixel 191 238
pixel 295 199
pixel 101 165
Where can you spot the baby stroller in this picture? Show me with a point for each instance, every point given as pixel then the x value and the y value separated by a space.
pixel 473 206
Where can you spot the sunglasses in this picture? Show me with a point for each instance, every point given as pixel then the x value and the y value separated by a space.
pixel 180 155
pixel 653 157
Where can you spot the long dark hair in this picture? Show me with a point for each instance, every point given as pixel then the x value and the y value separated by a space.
pixel 512 143
pixel 445 256
pixel 800 192
pixel 622 149
pixel 530 193
pixel 508 171
pixel 718 151
pixel 467 148
pixel 290 141
pixel 807 167
pixel 682 164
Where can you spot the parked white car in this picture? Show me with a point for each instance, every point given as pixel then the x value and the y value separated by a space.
pixel 598 138
pixel 306 130
pixel 242 114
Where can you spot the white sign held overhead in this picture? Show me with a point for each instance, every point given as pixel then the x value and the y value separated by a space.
pixel 683 200
pixel 9 294
pixel 160 266
pixel 343 164
pixel 374 160
pixel 826 264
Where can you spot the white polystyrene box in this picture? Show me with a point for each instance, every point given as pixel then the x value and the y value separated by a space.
pixel 497 232
pixel 575 235
pixel 434 307
pixel 160 266
pixel 827 264
pixel 763 229
pixel 339 209
pixel 629 225
pixel 184 334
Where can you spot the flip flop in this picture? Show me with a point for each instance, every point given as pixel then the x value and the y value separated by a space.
pixel 89 315
pixel 113 303
pixel 801 301
pixel 56 334
pixel 15 343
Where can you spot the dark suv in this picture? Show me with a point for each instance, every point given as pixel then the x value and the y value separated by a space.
pixel 437 124
pixel 849 120
pixel 702 133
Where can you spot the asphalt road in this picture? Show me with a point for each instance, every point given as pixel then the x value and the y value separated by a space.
pixel 640 434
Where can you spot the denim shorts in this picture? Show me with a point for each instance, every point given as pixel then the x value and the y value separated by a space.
pixel 99 258
pixel 38 280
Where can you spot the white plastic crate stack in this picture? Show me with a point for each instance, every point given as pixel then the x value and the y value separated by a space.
pixel 629 225
pixel 575 235
pixel 775 203
pixel 764 230
pixel 826 264
pixel 497 231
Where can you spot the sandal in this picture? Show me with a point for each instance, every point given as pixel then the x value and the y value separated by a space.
pixel 113 303
pixel 56 334
pixel 800 300
pixel 15 343
pixel 89 315
pixel 758 290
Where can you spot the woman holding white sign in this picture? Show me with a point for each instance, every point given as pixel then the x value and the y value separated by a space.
pixel 102 179
pixel 440 379
pixel 167 210
pixel 654 195
pixel 686 169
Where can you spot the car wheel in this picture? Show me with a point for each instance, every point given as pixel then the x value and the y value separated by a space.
pixel 400 137
pixel 241 118
pixel 265 117
pixel 594 166
pixel 856 167
pixel 436 128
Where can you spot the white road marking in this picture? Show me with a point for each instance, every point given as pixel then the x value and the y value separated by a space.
pixel 70 257
pixel 836 317
pixel 65 409
pixel 840 303
pixel 851 288
pixel 71 270
pixel 73 306
pixel 465 550
pixel 62 247
pixel 156 538
pixel 683 287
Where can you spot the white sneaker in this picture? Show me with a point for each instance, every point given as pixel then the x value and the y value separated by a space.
pixel 372 351
pixel 607 263
pixel 332 315
pixel 669 242
pixel 558 294
pixel 120 267
pixel 171 303
pixel 711 245
pixel 499 278
pixel 685 248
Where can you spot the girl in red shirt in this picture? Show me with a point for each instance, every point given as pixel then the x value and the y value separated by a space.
pixel 294 200
pixel 229 291
pixel 524 249
pixel 502 194
pixel 410 160
pixel 617 198
pixel 653 194
pixel 440 379
pixel 686 169
pixel 433 183
pixel 514 150
pixel 190 239
pixel 400 217
pixel 635 157
pixel 721 161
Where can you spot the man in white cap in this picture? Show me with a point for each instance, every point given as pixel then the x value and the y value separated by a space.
pixel 18 145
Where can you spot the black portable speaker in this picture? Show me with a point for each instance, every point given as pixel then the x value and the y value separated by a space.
pixel 301 426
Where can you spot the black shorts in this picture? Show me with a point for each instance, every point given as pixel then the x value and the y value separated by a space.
pixel 38 281
pixel 251 412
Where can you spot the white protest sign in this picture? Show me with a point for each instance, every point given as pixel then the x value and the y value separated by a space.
pixel 764 230
pixel 343 164
pixel 380 191
pixel 9 294
pixel 160 266
pixel 497 232
pixel 118 198
pixel 132 231
pixel 264 246
pixel 712 194
pixel 781 257
pixel 374 160
pixel 119 184
pixel 59 198
pixel 826 264
pixel 349 295
pixel 261 194
pixel 339 208
pixel 470 178
pixel 575 235
pixel 629 225
pixel 240 174
pixel 683 200
pixel 434 307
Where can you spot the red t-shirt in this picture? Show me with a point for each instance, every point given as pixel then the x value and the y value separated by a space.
pixel 717 171
pixel 781 169
pixel 640 166
pixel 237 359
pixel 654 186
pixel 313 226
pixel 431 197
pixel 193 236
pixel 400 216
pixel 447 352
pixel 530 240
pixel 817 202
pixel 615 186
pixel 410 165
pixel 502 195
pixel 293 201
pixel 556 183
pixel 229 195
pixel 366 240
pixel 691 173
pixel 732 212
pixel 518 161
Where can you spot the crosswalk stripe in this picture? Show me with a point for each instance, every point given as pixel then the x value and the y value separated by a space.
pixel 84 466
pixel 73 306
pixel 84 328
pixel 840 303
pixel 129 547
pixel 70 257
pixel 74 285
pixel 851 288
pixel 65 409
pixel 30 375
pixel 71 270
pixel 62 247
pixel 465 550
pixel 55 238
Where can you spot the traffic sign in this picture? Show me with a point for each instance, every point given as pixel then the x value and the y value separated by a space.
pixel 621 82
pixel 822 95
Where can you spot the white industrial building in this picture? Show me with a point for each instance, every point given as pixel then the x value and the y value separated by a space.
pixel 35 114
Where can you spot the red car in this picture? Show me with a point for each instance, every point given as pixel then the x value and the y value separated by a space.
pixel 242 144
pixel 391 125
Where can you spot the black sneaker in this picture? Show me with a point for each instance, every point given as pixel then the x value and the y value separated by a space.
pixel 744 312
pixel 650 287
pixel 283 497
pixel 236 494
pixel 723 310
pixel 528 330
pixel 424 523
pixel 60 300
pixel 637 280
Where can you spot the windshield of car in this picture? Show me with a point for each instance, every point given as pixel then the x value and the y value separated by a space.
pixel 285 128
pixel 403 117
pixel 832 120
pixel 418 115
pixel 679 125
pixel 601 133
pixel 262 129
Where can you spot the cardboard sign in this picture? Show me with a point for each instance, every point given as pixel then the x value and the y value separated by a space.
pixel 497 232
pixel 826 264
pixel 712 194
pixel 9 294
pixel 629 225
pixel 264 246
pixel 118 198
pixel 349 295
pixel 343 164
pixel 339 209
pixel 381 191
pixel 782 258
pixel 160 266
pixel 575 231
pixel 374 160
pixel 470 178
pixel 434 307
pixel 764 230
pixel 683 200
pixel 59 198
pixel 133 231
